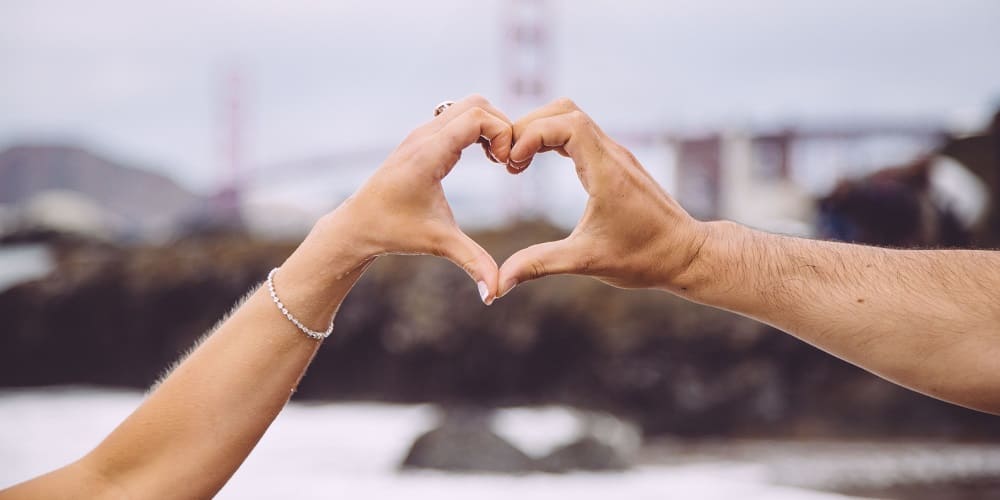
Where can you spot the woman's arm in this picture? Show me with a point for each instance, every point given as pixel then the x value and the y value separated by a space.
pixel 192 433
pixel 928 320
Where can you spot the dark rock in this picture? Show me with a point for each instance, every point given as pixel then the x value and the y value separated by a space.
pixel 464 442
pixel 585 454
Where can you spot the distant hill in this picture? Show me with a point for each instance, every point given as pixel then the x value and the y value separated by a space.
pixel 139 200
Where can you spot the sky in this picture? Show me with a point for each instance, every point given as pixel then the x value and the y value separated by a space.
pixel 142 81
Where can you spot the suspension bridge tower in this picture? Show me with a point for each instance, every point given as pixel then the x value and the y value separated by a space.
pixel 527 56
pixel 229 199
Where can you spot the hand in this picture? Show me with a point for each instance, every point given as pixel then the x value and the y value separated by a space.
pixel 402 209
pixel 632 233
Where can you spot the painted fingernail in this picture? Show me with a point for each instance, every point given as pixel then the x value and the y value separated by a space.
pixel 484 292
pixel 508 286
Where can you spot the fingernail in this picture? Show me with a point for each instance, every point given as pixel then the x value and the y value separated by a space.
pixel 508 286
pixel 512 164
pixel 484 292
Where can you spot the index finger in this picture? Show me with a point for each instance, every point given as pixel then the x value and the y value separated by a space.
pixel 466 129
pixel 573 132
pixel 561 106
pixel 467 103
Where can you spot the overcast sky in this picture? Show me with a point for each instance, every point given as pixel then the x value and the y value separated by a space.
pixel 142 80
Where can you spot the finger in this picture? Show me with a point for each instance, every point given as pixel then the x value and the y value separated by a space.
pixel 487 149
pixel 516 167
pixel 457 109
pixel 468 127
pixel 571 133
pixel 561 151
pixel 536 261
pixel 467 103
pixel 515 170
pixel 464 252
pixel 559 106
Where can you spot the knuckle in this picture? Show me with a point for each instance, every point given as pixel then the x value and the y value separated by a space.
pixel 623 152
pixel 506 132
pixel 477 113
pixel 536 269
pixel 632 160
pixel 477 100
pixel 469 266
pixel 565 103
pixel 579 119
pixel 518 129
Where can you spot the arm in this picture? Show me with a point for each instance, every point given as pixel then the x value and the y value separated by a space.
pixel 192 433
pixel 925 319
pixel 928 320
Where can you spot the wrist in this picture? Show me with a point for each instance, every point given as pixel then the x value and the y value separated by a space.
pixel 334 248
pixel 709 260
pixel 347 234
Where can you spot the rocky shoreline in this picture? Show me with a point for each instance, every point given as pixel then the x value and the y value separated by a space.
pixel 413 330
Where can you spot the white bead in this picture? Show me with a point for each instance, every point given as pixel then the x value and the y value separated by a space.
pixel 284 310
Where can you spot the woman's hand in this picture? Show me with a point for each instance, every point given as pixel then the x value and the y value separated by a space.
pixel 632 233
pixel 402 208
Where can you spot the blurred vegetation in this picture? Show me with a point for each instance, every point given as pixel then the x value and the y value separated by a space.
pixel 414 330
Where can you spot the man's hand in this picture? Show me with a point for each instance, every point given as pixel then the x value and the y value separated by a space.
pixel 632 233
pixel 925 319
pixel 402 207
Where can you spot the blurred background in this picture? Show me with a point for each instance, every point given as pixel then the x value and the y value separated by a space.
pixel 158 158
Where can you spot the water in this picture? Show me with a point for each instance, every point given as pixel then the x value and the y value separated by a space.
pixel 19 263
pixel 351 451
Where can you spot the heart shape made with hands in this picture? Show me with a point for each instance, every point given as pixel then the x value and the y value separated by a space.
pixel 632 233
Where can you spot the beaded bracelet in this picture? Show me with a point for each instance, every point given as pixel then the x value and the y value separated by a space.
pixel 284 310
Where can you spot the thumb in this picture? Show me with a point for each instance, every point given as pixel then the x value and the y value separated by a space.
pixel 464 252
pixel 536 261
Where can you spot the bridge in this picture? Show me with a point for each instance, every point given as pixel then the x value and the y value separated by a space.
pixel 711 170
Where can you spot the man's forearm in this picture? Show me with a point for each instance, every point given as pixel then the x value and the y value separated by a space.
pixel 929 320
